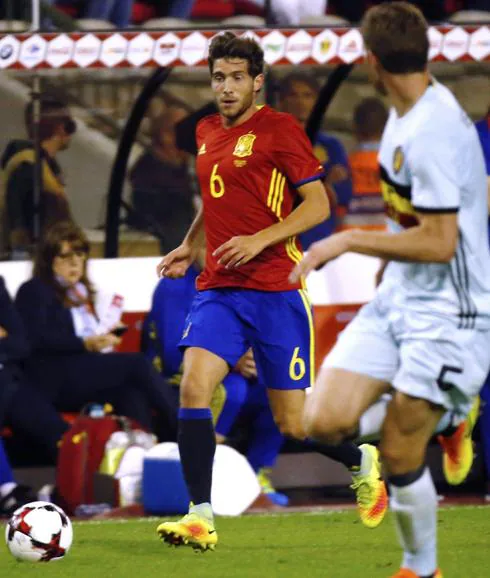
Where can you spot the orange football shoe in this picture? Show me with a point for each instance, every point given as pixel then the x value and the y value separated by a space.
pixel 406 573
pixel 458 448
pixel 371 494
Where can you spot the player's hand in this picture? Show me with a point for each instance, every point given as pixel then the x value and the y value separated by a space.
pixel 246 365
pixel 239 250
pixel 176 263
pixel 320 253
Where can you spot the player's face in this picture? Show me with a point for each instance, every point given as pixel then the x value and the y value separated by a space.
pixel 234 89
pixel 299 101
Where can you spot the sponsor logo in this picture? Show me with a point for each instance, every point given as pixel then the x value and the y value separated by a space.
pixel 479 47
pixel 6 51
pixel 351 46
pixel 32 51
pixel 299 47
pixel 113 50
pixel 87 50
pixel 59 51
pixel 274 46
pixel 435 42
pixel 455 44
pixel 166 49
pixel 140 50
pixel 194 48
pixel 9 51
pixel 325 46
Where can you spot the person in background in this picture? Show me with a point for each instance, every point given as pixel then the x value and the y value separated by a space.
pixel 116 11
pixel 366 207
pixel 163 195
pixel 241 394
pixel 56 130
pixel 22 408
pixel 69 363
pixel 291 12
pixel 12 494
pixel 297 95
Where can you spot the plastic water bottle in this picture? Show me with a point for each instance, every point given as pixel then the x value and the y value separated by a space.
pixel 96 410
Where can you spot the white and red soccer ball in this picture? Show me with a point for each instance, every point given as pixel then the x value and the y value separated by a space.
pixel 39 532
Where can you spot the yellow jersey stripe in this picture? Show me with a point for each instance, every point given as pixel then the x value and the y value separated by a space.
pixel 290 252
pixel 271 187
pixel 281 196
pixel 276 192
pixel 296 251
pixel 306 303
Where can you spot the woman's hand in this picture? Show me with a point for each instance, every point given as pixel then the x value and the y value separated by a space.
pixel 97 343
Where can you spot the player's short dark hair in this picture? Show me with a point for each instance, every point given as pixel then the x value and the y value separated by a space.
pixel 229 45
pixel 286 83
pixel 396 33
pixel 53 114
pixel 370 117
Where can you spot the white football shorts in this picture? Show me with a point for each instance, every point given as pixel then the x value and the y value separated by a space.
pixel 420 354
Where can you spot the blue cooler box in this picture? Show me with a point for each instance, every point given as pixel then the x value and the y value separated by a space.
pixel 163 488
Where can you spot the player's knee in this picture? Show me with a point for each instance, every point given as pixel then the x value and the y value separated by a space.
pixel 398 458
pixel 291 427
pixel 326 428
pixel 194 391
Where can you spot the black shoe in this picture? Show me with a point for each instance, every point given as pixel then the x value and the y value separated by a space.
pixel 19 496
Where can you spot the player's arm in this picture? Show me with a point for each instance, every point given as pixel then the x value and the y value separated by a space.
pixel 435 197
pixel 313 210
pixel 176 263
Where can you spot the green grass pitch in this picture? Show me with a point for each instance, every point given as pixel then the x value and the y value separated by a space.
pixel 323 544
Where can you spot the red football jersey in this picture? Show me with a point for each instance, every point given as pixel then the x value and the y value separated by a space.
pixel 248 176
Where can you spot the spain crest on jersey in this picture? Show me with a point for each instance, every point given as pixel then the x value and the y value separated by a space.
pixel 244 145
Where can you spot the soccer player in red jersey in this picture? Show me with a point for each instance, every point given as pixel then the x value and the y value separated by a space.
pixel 252 163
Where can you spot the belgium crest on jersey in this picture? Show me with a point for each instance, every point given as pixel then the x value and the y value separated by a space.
pixel 244 145
pixel 398 159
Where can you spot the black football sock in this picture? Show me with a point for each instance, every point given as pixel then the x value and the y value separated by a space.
pixel 346 453
pixel 197 444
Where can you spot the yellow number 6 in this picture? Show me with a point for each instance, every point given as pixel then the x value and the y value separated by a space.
pixel 297 367
pixel 216 183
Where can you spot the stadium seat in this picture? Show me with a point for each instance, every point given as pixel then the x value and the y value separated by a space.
pixel 94 24
pixel 167 23
pixel 244 21
pixel 13 26
pixel 324 20
pixel 213 9
pixel 470 17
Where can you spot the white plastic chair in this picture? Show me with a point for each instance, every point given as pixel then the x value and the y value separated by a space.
pixel 324 20
pixel 167 24
pixel 243 21
pixel 14 26
pixel 470 17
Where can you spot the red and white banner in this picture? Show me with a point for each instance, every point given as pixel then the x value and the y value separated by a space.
pixel 190 48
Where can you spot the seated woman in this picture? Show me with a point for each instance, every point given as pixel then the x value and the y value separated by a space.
pixel 68 361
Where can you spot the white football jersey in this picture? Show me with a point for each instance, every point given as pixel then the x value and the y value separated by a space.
pixel 431 162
